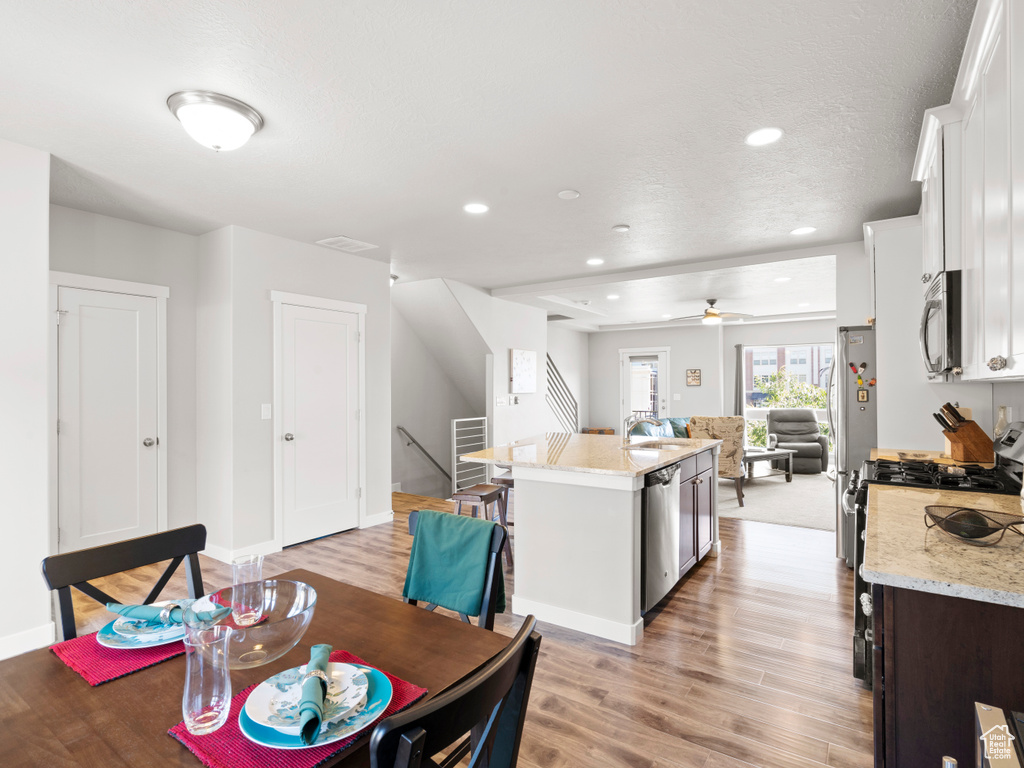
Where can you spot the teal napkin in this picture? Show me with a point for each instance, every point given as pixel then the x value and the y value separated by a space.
pixel 311 708
pixel 448 562
pixel 152 613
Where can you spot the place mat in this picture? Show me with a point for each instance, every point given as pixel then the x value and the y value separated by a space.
pixel 227 747
pixel 99 664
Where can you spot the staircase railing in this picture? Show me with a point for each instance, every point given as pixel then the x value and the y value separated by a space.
pixel 414 441
pixel 561 401
pixel 468 436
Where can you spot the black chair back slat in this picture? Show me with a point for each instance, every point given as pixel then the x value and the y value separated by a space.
pixel 76 569
pixel 490 705
pixel 489 603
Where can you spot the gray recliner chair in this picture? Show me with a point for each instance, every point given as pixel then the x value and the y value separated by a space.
pixel 796 429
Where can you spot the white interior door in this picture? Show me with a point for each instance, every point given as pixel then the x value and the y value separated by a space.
pixel 320 397
pixel 107 406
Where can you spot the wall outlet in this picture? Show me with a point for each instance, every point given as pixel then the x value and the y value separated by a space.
pixel 500 401
pixel 677 397
pixel 265 411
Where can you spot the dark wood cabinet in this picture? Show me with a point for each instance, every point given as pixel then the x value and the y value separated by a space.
pixel 934 656
pixel 696 509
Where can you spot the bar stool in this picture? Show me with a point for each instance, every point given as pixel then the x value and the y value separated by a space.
pixel 484 495
pixel 507 485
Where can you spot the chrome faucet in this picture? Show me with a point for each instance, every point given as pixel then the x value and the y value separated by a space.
pixel 630 422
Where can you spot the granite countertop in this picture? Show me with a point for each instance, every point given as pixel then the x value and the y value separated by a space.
pixel 597 454
pixel 901 552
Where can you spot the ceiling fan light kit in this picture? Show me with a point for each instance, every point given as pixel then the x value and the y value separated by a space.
pixel 216 121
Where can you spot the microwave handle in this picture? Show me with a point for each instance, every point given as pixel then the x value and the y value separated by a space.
pixel 929 305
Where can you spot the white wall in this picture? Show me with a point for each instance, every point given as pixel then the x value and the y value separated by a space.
pixel 258 264
pixel 424 400
pixel 906 398
pixel 25 323
pixel 101 246
pixel 506 325
pixel 853 285
pixel 570 352
pixel 690 347
pixel 770 335
pixel 1009 393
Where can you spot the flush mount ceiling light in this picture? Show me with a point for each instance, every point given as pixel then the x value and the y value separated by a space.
pixel 475 208
pixel 595 262
pixel 620 228
pixel 568 194
pixel 763 136
pixel 803 231
pixel 215 121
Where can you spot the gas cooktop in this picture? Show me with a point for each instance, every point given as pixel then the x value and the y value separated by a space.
pixel 926 474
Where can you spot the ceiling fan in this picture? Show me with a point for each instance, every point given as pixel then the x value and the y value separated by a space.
pixel 712 315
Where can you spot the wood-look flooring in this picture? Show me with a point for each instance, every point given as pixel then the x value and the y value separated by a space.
pixel 747 662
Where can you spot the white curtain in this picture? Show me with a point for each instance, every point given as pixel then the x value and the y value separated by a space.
pixel 738 396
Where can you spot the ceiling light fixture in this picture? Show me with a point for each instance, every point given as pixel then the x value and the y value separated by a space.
pixel 783 279
pixel 394 279
pixel 711 317
pixel 804 304
pixel 595 262
pixel 620 228
pixel 803 230
pixel 568 194
pixel 612 296
pixel 763 136
pixel 475 208
pixel 215 121
pixel 666 316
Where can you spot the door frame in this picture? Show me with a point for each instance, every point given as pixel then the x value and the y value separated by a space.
pixel 624 355
pixel 108 285
pixel 279 299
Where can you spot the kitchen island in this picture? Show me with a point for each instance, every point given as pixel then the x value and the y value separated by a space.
pixel 947 624
pixel 578 538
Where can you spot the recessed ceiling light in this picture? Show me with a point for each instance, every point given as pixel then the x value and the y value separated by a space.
pixel 803 231
pixel 620 228
pixel 568 194
pixel 783 279
pixel 595 262
pixel 666 316
pixel 804 304
pixel 763 136
pixel 475 208
pixel 612 296
pixel 215 121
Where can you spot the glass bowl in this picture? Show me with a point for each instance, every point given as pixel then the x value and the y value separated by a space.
pixel 284 616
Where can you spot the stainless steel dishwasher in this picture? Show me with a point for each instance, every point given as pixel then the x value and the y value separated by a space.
pixel 659 526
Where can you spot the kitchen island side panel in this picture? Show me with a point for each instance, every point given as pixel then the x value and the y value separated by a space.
pixel 577 551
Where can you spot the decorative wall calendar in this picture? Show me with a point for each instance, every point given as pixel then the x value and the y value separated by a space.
pixel 524 371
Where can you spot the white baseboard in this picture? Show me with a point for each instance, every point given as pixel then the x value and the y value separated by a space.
pixel 396 487
pixel 226 555
pixel 629 634
pixel 27 640
pixel 380 518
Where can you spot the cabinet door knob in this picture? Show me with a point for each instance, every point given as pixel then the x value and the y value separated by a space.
pixel 997 363
pixel 926 277
pixel 288 436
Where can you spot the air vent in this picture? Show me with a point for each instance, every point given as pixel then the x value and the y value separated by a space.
pixel 555 318
pixel 346 244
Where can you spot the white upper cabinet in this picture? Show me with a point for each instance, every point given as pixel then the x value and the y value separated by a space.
pixel 938 168
pixel 989 94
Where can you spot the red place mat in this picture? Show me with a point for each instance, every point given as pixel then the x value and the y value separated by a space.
pixel 227 747
pixel 99 664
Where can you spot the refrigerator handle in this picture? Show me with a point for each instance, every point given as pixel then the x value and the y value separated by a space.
pixel 829 399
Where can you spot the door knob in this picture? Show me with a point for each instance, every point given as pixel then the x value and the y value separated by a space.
pixel 288 436
pixel 149 442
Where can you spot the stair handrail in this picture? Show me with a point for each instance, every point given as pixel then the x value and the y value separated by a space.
pixel 414 441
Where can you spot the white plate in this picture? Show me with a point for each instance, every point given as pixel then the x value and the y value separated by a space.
pixel 275 702
pixel 140 629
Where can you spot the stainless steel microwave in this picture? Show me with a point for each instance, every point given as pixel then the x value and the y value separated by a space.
pixel 940 326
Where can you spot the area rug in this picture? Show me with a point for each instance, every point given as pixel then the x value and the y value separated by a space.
pixel 807 502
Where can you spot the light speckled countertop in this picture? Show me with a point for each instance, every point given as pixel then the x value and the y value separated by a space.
pixel 597 454
pixel 901 552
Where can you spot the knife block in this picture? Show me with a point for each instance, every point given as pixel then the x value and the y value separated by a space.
pixel 970 443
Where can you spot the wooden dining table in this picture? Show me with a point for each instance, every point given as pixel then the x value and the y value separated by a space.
pixel 50 716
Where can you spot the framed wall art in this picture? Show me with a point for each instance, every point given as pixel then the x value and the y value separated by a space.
pixel 524 371
pixel 693 377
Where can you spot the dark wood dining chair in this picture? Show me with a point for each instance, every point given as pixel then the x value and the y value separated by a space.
pixel 76 569
pixel 490 706
pixel 492 573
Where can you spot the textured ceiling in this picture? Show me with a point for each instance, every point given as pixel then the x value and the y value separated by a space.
pixel 384 116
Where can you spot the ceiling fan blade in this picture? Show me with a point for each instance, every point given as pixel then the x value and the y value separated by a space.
pixel 688 317
pixel 734 314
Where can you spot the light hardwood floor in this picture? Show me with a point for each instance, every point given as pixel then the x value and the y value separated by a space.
pixel 746 662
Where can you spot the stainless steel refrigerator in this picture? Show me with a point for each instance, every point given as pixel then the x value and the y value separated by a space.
pixel 852 418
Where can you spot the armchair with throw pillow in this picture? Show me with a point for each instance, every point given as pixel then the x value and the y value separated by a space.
pixel 796 429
